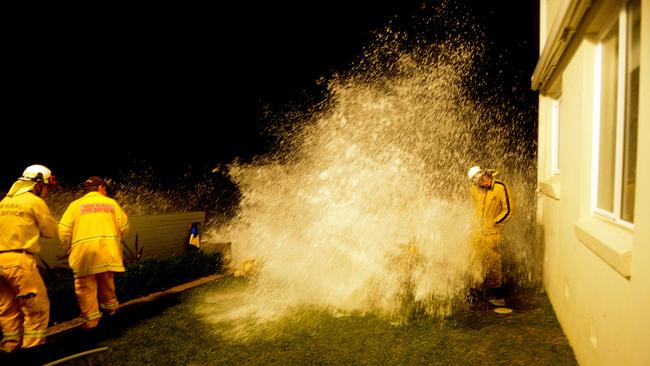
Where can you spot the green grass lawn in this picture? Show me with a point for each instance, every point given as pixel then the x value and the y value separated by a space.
pixel 172 331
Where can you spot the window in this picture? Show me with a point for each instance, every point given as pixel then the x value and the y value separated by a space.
pixel 555 138
pixel 615 135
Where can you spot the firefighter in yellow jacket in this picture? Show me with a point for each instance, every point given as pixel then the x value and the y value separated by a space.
pixel 91 230
pixel 493 207
pixel 24 217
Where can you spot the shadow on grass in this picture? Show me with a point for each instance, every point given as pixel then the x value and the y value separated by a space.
pixel 77 340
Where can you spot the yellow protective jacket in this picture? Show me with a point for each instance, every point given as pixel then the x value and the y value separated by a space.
pixel 493 207
pixel 23 219
pixel 91 230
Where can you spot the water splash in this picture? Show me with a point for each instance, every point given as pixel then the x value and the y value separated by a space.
pixel 141 192
pixel 365 207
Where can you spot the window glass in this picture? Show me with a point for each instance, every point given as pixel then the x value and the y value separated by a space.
pixel 607 131
pixel 633 59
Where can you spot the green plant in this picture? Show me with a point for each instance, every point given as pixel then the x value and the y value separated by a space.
pixel 139 279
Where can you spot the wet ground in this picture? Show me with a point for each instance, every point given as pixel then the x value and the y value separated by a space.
pixel 170 331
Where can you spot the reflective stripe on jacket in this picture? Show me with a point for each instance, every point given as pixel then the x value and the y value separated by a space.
pixel 92 229
pixel 23 219
pixel 493 206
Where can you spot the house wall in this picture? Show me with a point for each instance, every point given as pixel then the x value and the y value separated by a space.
pixel 596 273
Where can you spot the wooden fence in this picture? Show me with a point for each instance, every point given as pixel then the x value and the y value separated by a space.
pixel 159 236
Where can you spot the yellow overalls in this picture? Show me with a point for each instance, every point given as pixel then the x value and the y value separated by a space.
pixel 24 304
pixel 91 230
pixel 492 208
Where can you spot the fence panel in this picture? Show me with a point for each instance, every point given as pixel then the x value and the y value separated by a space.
pixel 161 236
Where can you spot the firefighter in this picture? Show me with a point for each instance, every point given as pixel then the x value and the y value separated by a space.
pixel 493 207
pixel 24 218
pixel 91 231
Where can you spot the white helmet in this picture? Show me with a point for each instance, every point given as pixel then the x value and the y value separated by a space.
pixel 473 171
pixel 38 173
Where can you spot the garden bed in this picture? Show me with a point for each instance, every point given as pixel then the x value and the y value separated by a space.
pixel 140 280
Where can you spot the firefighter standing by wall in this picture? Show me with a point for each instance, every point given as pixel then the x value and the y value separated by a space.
pixel 91 231
pixel 24 217
pixel 492 209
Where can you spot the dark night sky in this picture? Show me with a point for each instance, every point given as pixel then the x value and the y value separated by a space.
pixel 114 76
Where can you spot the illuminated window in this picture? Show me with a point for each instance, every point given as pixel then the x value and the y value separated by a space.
pixel 617 69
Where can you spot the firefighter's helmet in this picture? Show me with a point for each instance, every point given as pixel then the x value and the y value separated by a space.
pixel 38 173
pixel 473 172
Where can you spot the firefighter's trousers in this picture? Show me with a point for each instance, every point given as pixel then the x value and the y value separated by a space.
pixel 487 257
pixel 24 304
pixel 88 288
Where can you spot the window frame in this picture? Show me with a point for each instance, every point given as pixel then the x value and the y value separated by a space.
pixel 621 73
pixel 555 136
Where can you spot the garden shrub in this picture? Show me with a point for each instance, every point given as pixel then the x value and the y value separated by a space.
pixel 140 279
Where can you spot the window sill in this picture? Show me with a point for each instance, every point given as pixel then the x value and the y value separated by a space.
pixel 611 243
pixel 550 188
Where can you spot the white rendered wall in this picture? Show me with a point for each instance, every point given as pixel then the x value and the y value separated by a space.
pixel 605 315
